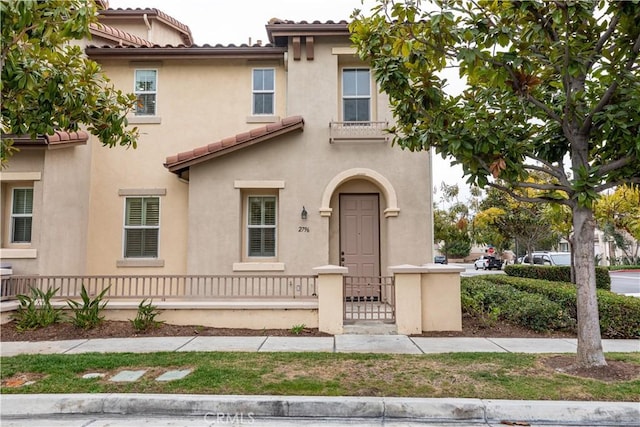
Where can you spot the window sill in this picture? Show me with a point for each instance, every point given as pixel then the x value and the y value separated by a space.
pixel 263 119
pixel 145 120
pixel 258 266
pixel 6 253
pixel 140 262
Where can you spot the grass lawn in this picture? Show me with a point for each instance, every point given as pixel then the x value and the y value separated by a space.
pixel 477 375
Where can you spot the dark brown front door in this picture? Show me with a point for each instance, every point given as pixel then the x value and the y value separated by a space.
pixel 360 234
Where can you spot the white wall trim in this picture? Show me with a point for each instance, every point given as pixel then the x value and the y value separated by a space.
pixel 20 176
pixel 142 192
pixel 258 184
pixel 140 262
pixel 6 253
pixel 258 266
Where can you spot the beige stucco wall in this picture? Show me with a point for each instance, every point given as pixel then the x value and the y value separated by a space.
pixel 198 102
pixel 60 210
pixel 307 163
pixel 203 101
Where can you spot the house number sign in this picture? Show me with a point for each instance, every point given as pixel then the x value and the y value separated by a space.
pixel 302 229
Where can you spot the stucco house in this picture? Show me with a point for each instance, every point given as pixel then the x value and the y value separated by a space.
pixel 263 159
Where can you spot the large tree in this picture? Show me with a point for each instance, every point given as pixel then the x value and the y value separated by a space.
pixel 553 87
pixel 48 83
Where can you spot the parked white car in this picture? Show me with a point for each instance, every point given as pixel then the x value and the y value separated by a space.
pixel 548 258
pixel 487 263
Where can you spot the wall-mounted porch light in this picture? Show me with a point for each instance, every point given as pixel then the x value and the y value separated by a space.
pixel 303 214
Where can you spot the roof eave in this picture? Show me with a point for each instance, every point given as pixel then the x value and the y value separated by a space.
pixel 184 52
pixel 280 30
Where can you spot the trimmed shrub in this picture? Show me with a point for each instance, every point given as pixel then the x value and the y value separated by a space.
pixel 557 273
pixel 619 314
pixel 491 302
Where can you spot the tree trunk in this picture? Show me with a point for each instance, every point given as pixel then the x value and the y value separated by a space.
pixel 590 352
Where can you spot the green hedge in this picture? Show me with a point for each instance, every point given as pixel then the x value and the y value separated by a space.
pixel 623 267
pixel 619 314
pixel 557 273
pixel 491 302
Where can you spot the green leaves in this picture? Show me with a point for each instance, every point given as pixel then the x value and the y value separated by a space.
pixel 547 82
pixel 47 83
pixel 87 313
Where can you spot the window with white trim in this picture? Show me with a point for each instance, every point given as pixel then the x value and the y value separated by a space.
pixel 141 227
pixel 356 95
pixel 146 91
pixel 21 215
pixel 261 226
pixel 263 91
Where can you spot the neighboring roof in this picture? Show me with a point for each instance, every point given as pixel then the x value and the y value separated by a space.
pixel 279 30
pixel 58 139
pixel 182 161
pixel 137 13
pixel 117 35
pixel 187 52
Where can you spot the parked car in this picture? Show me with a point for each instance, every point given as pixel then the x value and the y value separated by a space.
pixel 548 258
pixel 440 259
pixel 488 262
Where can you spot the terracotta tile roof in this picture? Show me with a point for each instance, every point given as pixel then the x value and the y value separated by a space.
pixel 58 139
pixel 256 51
pixel 115 34
pixel 279 30
pixel 151 12
pixel 182 161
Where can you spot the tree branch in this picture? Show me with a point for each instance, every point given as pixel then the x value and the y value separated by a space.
pixel 550 170
pixel 603 39
pixel 616 164
pixel 606 98
pixel 522 198
pixel 539 186
pixel 612 184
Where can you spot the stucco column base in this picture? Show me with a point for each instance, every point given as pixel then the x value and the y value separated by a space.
pixel 331 298
pixel 408 298
pixel 427 298
pixel 441 305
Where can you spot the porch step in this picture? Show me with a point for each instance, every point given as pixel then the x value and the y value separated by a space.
pixel 370 327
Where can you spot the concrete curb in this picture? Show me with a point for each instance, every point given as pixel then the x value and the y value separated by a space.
pixel 445 410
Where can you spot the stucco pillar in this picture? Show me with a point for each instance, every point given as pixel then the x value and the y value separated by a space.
pixel 408 298
pixel 330 298
pixel 441 306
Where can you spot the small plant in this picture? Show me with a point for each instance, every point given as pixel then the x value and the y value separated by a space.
pixel 86 314
pixel 297 329
pixel 35 310
pixel 146 317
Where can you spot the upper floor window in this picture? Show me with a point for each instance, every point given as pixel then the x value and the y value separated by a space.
pixel 21 215
pixel 261 227
pixel 141 227
pixel 146 91
pixel 356 95
pixel 263 90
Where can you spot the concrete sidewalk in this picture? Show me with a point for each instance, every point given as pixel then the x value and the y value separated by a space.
pixel 396 344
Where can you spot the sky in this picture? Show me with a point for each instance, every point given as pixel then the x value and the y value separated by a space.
pixel 241 21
